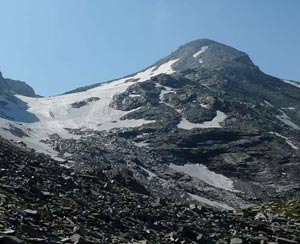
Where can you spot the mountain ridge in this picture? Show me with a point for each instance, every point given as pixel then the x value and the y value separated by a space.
pixel 182 51
pixel 192 47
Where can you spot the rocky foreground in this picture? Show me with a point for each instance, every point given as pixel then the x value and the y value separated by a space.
pixel 44 201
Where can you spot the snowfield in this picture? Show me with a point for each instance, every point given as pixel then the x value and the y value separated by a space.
pixel 42 117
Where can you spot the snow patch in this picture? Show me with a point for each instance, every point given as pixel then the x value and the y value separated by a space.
pixel 165 91
pixel 141 144
pixel 286 120
pixel 289 108
pixel 269 104
pixel 33 141
pixel 165 68
pixel 150 174
pixel 134 95
pixel 218 205
pixel 287 140
pixel 293 83
pixel 204 105
pixel 201 51
pixel 202 173
pixel 215 123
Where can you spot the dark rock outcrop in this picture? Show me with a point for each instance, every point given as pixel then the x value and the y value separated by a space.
pixel 9 86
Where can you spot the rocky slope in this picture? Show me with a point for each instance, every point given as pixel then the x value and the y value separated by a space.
pixel 203 124
pixel 45 201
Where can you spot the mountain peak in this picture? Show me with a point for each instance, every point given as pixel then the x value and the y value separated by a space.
pixel 199 43
pixel 196 55
pixel 207 54
pixel 9 86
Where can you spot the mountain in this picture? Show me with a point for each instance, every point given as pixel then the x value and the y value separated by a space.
pixel 9 86
pixel 202 125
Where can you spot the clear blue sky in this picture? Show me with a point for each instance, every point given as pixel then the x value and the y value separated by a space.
pixel 58 45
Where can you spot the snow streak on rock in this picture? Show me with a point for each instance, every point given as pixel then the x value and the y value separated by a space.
pixel 202 173
pixel 286 120
pixel 201 51
pixel 287 140
pixel 211 203
pixel 293 83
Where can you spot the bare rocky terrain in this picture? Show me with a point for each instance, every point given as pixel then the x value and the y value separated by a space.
pixel 44 201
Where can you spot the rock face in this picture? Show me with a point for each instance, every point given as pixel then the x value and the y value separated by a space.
pixel 203 126
pixel 8 86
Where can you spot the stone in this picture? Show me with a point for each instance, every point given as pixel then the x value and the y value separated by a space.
pixel 260 216
pixel 236 241
pixel 30 212
pixel 2 199
pixel 75 238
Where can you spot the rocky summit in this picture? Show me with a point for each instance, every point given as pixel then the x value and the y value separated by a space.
pixel 9 86
pixel 200 147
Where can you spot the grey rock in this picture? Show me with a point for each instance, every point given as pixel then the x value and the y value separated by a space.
pixel 236 241
pixel 10 240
